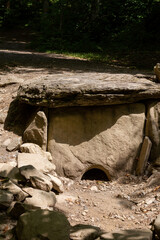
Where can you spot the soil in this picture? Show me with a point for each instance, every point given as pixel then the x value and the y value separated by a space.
pixel 126 203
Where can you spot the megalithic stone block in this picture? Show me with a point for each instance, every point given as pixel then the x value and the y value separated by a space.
pixel 144 156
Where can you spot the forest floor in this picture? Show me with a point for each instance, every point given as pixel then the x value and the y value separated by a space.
pixel 126 203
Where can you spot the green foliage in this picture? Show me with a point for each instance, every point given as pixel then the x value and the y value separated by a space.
pixel 89 26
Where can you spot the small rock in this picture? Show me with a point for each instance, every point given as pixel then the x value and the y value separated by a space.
pixel 37 179
pixel 34 148
pixel 8 171
pixel 87 232
pixel 39 198
pixel 6 142
pixel 14 144
pixel 56 183
pixel 94 188
pixel 19 195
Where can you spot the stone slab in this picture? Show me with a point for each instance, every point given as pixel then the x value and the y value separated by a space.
pixel 96 137
pixel 81 90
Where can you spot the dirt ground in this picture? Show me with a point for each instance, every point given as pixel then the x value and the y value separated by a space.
pixel 127 203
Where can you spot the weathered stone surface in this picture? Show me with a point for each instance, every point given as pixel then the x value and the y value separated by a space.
pixel 87 232
pixel 39 198
pixel 144 155
pixel 128 235
pixel 36 132
pixel 108 137
pixel 34 148
pixel 157 225
pixel 37 179
pixel 38 161
pixel 43 224
pixel 80 91
pixel 19 195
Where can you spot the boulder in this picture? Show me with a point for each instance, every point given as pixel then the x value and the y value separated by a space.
pixel 128 235
pixel 34 148
pixel 36 132
pixel 39 198
pixel 87 232
pixel 43 224
pixel 38 161
pixel 37 179
pixel 108 138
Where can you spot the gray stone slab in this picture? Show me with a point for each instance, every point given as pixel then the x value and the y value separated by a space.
pixel 79 90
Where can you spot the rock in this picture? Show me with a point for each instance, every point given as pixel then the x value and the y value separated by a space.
pixel 107 138
pixel 43 224
pixel 94 188
pixel 36 132
pixel 144 155
pixel 6 142
pixel 34 148
pixel 16 209
pixel 39 198
pixel 2 117
pixel 87 232
pixel 157 71
pixel 87 91
pixel 41 183
pixel 38 161
pixel 8 171
pixel 157 226
pixel 128 234
pixel 56 183
pixel 19 195
pixel 152 129
pixel 37 179
pixel 14 144
pixel 154 179
pixel 6 199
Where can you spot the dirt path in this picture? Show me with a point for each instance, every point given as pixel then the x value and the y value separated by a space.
pixel 123 204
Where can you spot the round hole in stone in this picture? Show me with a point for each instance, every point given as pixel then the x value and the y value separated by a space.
pixel 95 174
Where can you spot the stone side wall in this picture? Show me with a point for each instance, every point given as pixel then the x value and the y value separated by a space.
pixel 81 137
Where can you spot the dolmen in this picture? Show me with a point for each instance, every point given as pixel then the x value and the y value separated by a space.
pixel 110 124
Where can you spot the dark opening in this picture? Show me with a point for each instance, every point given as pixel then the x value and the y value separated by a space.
pixel 95 174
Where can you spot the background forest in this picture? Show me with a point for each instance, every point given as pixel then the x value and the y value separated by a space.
pixel 86 26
